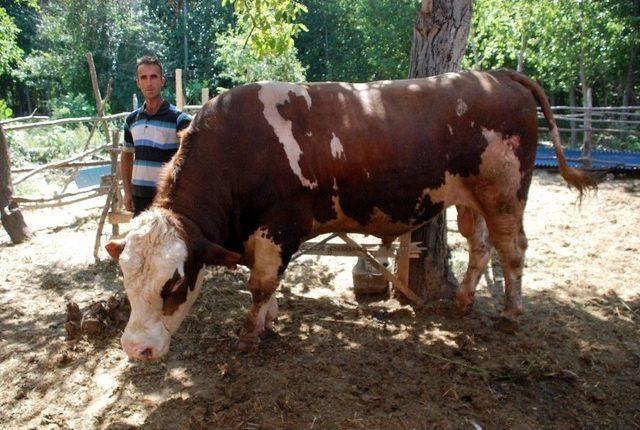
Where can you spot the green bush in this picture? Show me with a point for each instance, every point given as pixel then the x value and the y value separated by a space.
pixel 5 111
pixel 71 106
pixel 43 145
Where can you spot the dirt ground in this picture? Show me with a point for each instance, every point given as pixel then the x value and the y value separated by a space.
pixel 573 363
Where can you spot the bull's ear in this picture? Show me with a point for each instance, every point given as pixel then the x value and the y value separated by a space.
pixel 217 255
pixel 114 248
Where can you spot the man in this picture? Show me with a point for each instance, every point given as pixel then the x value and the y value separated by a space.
pixel 150 137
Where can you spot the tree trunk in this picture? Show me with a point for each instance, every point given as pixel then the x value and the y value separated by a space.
pixel 439 41
pixel 523 48
pixel 10 214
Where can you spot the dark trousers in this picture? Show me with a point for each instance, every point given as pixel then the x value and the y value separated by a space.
pixel 141 204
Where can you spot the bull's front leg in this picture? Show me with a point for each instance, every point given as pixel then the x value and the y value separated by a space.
pixel 263 283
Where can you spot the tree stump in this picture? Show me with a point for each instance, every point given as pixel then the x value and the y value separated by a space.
pixel 10 215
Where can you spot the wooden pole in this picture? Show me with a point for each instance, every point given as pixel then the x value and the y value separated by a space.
pixel 179 95
pixel 204 96
pixel 588 134
pixel 397 283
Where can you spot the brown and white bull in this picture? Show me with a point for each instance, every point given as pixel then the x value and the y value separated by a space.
pixel 266 166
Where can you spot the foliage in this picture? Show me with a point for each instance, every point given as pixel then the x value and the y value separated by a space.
pixel 357 40
pixel 204 19
pixel 261 45
pixel 5 111
pixel 43 145
pixel 557 38
pixel 10 52
pixel 71 106
pixel 270 25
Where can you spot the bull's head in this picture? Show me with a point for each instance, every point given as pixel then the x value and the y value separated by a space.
pixel 162 263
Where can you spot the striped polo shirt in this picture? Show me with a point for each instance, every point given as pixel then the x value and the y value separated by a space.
pixel 154 140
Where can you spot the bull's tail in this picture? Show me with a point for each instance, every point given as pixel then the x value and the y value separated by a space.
pixel 580 179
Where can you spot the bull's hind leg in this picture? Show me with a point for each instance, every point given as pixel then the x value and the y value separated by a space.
pixel 507 236
pixel 473 227
pixel 263 282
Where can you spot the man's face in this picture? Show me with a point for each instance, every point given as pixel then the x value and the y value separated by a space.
pixel 149 80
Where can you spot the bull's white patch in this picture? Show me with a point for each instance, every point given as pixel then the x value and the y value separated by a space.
pixel 461 107
pixel 414 87
pixel 266 257
pixel 271 95
pixel 450 129
pixel 335 184
pixel 379 223
pixel 337 151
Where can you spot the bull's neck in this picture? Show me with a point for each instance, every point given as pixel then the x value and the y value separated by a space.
pixel 211 221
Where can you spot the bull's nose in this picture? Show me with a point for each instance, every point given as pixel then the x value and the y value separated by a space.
pixel 137 352
pixel 146 354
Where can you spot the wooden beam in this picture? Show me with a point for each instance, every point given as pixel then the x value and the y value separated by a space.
pixel 402 287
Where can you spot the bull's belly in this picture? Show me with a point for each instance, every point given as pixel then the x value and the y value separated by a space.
pixel 378 223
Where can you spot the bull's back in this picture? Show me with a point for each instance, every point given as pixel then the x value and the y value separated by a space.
pixel 374 153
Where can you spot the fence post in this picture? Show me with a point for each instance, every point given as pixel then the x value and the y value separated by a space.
pixel 585 157
pixel 572 112
pixel 204 96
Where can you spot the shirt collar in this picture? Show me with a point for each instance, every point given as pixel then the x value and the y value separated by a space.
pixel 164 107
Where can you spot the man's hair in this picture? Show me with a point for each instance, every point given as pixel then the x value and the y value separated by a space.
pixel 148 59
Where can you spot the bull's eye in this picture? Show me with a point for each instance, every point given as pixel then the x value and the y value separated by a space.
pixel 172 285
pixel 174 294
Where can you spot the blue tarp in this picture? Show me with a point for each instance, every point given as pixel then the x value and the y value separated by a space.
pixel 619 160
pixel 90 176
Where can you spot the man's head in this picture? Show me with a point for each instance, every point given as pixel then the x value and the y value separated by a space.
pixel 162 262
pixel 149 77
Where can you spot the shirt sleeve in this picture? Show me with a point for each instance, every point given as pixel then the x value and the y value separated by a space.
pixel 183 121
pixel 128 138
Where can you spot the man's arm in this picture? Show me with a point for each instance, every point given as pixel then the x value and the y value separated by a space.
pixel 126 166
pixel 126 169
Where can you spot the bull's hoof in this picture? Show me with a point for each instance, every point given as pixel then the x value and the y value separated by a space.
pixel 269 334
pixel 461 307
pixel 247 344
pixel 506 325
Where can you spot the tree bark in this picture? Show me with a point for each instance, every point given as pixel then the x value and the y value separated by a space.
pixel 439 42
pixel 10 214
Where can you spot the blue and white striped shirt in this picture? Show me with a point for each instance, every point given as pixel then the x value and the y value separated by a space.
pixel 154 140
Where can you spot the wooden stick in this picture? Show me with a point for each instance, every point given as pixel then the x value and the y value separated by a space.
pixel 66 121
pixel 383 270
pixel 72 175
pixel 55 204
pixel 103 217
pixel 28 200
pixel 23 118
pixel 58 163
pixel 402 258
pixel 79 164
pixel 96 94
